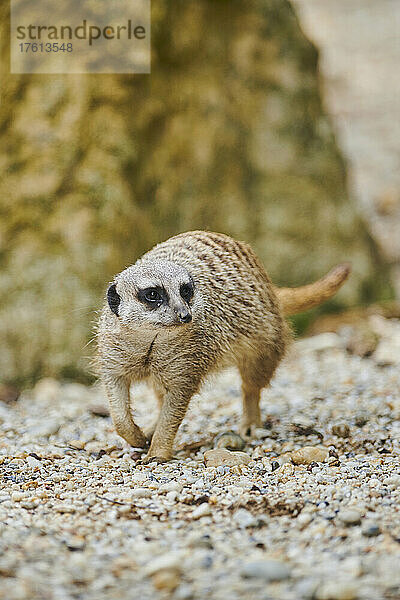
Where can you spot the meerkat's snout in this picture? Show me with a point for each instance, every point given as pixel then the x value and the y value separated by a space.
pixel 183 315
pixel 179 306
pixel 186 292
pixel 186 318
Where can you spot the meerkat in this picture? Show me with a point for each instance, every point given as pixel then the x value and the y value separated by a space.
pixel 193 305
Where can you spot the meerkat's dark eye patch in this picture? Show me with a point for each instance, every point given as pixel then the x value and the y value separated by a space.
pixel 186 291
pixel 113 299
pixel 153 296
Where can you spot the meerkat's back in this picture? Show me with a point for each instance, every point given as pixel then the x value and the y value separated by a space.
pixel 214 257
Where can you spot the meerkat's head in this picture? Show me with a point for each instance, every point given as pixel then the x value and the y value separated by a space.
pixel 152 294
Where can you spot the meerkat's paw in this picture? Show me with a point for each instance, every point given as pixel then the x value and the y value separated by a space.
pixel 156 459
pixel 247 430
pixel 132 434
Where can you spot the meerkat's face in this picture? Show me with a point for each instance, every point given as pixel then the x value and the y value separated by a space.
pixel 153 295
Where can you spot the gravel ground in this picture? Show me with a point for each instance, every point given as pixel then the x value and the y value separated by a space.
pixel 80 518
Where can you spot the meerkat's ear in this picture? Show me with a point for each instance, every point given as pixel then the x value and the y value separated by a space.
pixel 113 299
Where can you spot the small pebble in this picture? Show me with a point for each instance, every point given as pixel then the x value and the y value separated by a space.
pixel 387 353
pixel 78 444
pixel 29 504
pixel 341 430
pixel 8 393
pixel 166 580
pixel 229 440
pixel 258 453
pixel 165 562
pixel 243 518
pixel 361 419
pixel 221 456
pixel 317 343
pixel 203 510
pixel 184 592
pixel 99 410
pixel 303 520
pixel 17 496
pixel 337 590
pixel 370 529
pixel 142 493
pixel 171 486
pixel 350 517
pixel 171 496
pixel 46 428
pixel 65 508
pixel 309 454
pixel 392 482
pixel 269 570
pixel 33 463
pixel 75 542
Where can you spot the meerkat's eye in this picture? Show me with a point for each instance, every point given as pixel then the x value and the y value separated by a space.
pixel 186 291
pixel 151 296
pixel 113 299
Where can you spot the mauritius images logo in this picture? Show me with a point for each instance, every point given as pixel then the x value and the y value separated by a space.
pixel 80 37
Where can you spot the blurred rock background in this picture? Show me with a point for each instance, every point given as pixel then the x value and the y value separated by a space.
pixel 359 44
pixel 229 132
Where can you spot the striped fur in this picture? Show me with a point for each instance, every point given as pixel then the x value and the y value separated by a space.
pixel 237 319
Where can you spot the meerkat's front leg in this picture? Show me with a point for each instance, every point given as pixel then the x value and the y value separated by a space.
pixel 119 400
pixel 172 412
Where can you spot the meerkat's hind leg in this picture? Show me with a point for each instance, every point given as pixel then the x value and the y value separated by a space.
pixel 251 417
pixel 256 373
pixel 120 409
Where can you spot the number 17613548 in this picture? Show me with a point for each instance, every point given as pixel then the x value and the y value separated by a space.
pixel 45 47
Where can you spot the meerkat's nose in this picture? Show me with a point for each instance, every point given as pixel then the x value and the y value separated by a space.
pixel 185 317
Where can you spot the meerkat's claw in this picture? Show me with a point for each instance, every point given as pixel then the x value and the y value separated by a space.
pixel 156 459
pixel 247 430
pixel 146 446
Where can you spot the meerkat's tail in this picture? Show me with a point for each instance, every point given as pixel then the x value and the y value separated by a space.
pixel 295 300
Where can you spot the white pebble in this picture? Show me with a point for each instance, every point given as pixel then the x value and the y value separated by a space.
pixel 202 510
pixel 269 570
pixel 33 463
pixel 171 486
pixel 17 496
pixel 141 493
pixel 243 518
